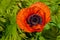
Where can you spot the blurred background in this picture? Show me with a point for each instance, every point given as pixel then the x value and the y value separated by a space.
pixel 9 29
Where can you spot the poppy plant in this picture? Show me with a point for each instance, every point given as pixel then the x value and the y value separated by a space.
pixel 33 18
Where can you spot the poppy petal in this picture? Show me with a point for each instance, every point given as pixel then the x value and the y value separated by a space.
pixel 43 7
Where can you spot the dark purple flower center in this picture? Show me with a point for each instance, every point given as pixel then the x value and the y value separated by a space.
pixel 34 20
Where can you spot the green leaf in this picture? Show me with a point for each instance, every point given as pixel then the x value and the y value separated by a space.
pixel 51 33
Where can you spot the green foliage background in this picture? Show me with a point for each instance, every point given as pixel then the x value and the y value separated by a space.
pixel 9 29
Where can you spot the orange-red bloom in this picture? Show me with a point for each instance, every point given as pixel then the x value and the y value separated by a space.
pixel 34 18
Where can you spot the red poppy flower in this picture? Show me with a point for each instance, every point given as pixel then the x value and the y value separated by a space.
pixel 33 18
